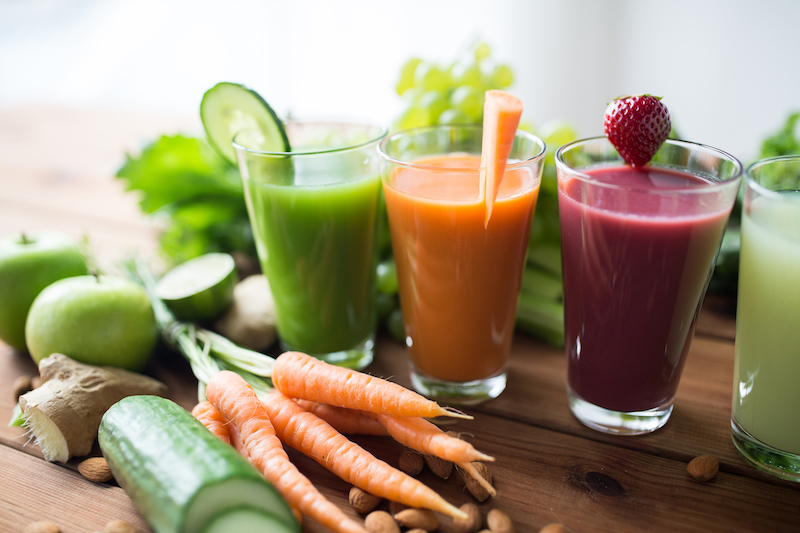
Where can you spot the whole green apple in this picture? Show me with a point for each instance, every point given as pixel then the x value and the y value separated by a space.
pixel 98 320
pixel 28 264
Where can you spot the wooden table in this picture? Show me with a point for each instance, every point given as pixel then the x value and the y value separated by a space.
pixel 56 168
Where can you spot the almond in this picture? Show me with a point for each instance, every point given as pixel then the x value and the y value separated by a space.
pixel 42 527
pixel 499 522
pixel 703 468
pixel 553 528
pixel 474 487
pixel 417 518
pixel 439 466
pixel 362 501
pixel 95 469
pixel 381 522
pixel 411 462
pixel 396 507
pixel 472 523
pixel 120 526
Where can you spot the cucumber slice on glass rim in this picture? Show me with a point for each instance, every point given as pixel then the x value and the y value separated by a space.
pixel 228 109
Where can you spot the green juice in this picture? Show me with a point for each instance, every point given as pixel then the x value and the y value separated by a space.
pixel 766 392
pixel 316 238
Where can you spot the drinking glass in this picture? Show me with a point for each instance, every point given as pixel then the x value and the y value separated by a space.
pixel 765 418
pixel 314 213
pixel 459 278
pixel 638 250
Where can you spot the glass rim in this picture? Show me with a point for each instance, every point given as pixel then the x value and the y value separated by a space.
pixel 735 177
pixel 406 164
pixel 367 125
pixel 755 185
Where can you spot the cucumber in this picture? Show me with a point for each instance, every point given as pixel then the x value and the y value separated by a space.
pixel 181 477
pixel 231 108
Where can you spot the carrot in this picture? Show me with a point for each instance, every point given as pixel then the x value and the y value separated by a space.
pixel 236 441
pixel 315 438
pixel 237 402
pixel 501 114
pixel 212 419
pixel 413 432
pixel 298 375
pixel 343 420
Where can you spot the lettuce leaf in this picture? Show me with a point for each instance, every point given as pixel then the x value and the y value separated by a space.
pixel 195 194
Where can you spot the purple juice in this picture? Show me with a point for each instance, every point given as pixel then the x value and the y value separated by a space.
pixel 637 256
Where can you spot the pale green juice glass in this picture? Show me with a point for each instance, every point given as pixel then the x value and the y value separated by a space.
pixel 765 418
pixel 314 213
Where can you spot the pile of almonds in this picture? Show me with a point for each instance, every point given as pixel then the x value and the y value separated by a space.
pixel 422 520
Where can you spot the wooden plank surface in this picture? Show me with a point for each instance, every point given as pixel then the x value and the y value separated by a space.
pixel 56 168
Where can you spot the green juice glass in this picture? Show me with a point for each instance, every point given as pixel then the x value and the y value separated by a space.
pixel 765 419
pixel 314 212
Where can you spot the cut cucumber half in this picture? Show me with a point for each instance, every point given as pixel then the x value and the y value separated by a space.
pixel 181 477
pixel 230 108
pixel 199 289
pixel 246 521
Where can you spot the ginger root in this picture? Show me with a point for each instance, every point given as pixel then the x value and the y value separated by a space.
pixel 250 320
pixel 64 413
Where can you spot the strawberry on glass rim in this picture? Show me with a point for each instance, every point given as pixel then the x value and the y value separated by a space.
pixel 637 126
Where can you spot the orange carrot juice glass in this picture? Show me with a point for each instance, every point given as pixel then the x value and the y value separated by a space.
pixel 459 278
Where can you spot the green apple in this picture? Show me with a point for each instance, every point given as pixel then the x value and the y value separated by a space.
pixel 98 320
pixel 28 264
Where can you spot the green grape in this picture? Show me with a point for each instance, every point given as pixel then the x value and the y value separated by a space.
pixel 502 76
pixel 482 51
pixel 454 116
pixel 435 102
pixel 413 117
pixel 385 304
pixel 395 325
pixel 411 96
pixel 406 80
pixel 429 76
pixel 469 100
pixel 387 277
pixel 467 74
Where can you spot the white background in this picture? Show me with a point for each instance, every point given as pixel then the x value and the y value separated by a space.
pixel 729 71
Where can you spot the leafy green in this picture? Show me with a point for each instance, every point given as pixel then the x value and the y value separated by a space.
pixel 195 193
pixel 784 141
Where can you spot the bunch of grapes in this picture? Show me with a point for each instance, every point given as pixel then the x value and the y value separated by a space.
pixel 435 94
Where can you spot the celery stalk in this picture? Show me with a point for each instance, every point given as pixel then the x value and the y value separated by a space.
pixel 542 283
pixel 541 317
pixel 546 256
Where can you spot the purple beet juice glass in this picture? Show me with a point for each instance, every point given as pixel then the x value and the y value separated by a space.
pixel 638 250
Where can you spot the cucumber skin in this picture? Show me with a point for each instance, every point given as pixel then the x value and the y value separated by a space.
pixel 208 102
pixel 162 457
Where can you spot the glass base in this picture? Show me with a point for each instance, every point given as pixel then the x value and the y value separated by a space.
pixel 618 422
pixel 775 462
pixel 454 392
pixel 358 357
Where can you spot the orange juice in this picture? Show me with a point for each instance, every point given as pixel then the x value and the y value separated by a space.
pixel 459 280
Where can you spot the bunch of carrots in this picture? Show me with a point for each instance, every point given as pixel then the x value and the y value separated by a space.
pixel 314 404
